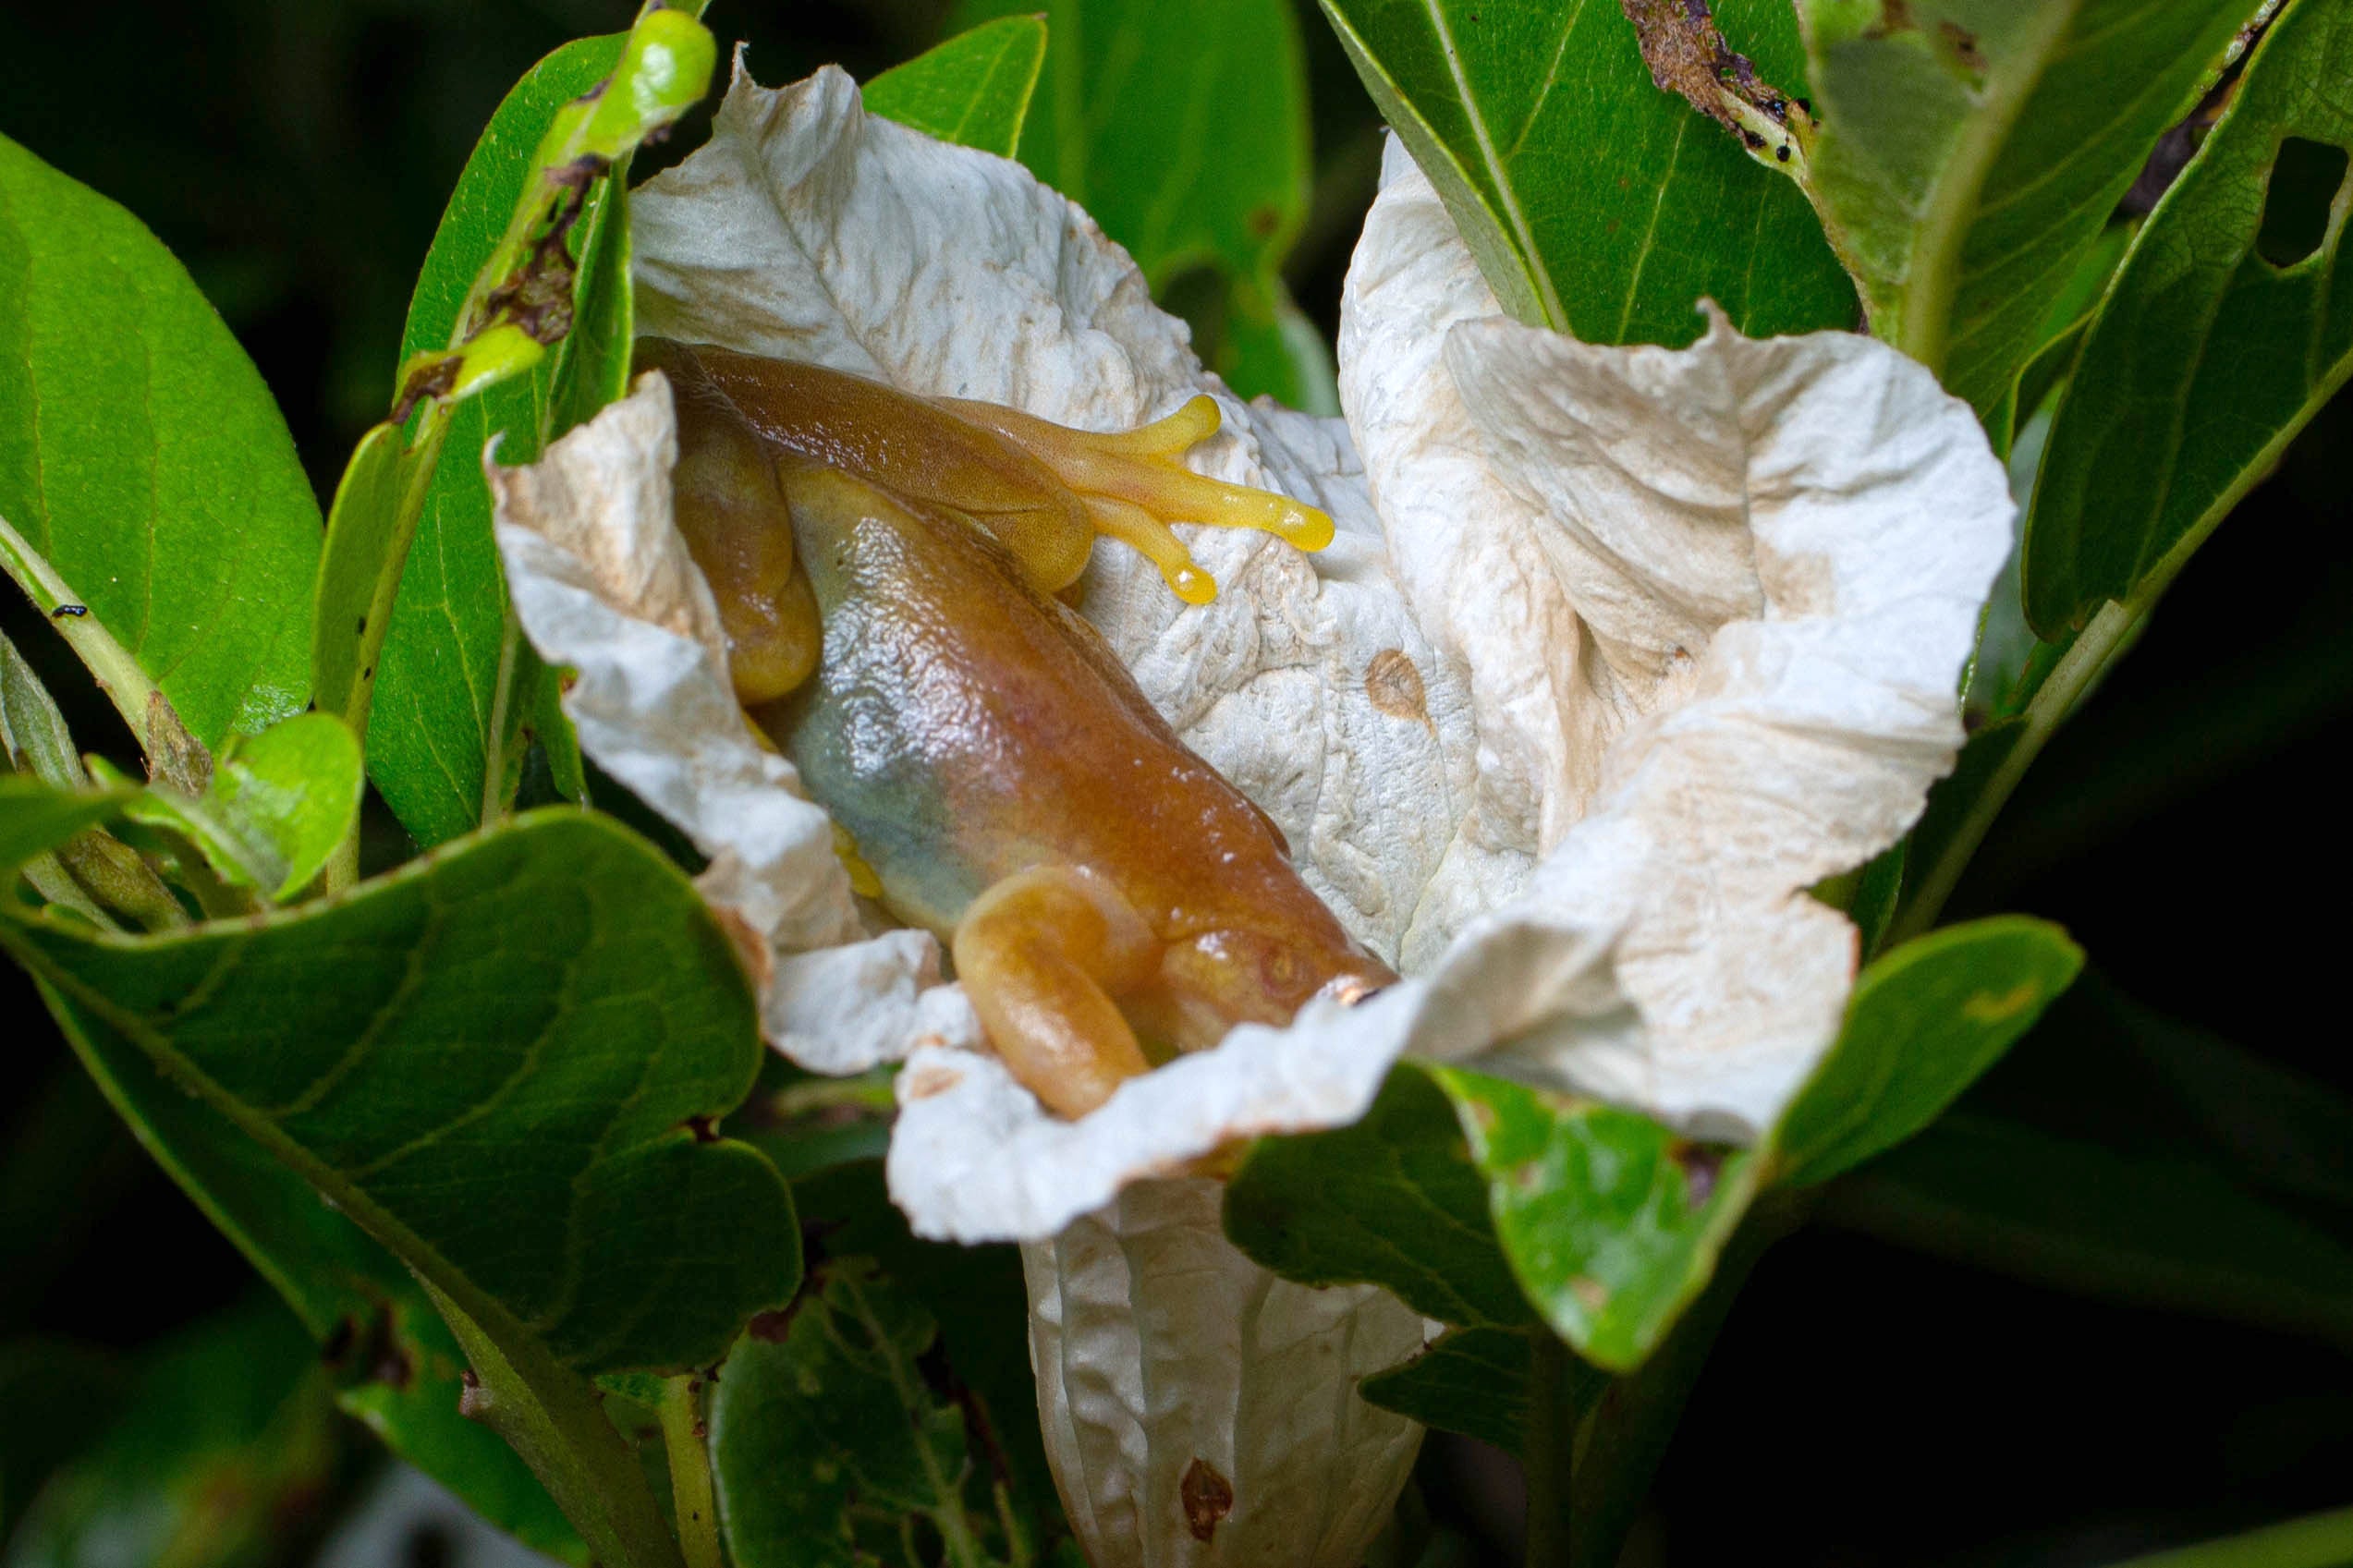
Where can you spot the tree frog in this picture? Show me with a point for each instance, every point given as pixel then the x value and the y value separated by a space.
pixel 889 570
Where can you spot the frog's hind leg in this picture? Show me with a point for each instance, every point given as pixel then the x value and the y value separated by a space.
pixel 1134 485
pixel 1042 954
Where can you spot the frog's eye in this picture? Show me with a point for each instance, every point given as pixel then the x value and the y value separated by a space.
pixel 1134 485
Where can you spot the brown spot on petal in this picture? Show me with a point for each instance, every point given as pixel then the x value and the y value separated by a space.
pixel 1396 685
pixel 922 1083
pixel 1208 1498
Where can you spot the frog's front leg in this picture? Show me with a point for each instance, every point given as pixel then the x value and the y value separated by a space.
pixel 1042 954
pixel 1133 486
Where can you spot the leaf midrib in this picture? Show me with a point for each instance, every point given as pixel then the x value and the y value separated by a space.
pixel 1952 206
pixel 1523 235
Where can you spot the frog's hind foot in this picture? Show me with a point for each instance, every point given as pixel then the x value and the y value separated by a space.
pixel 1134 484
pixel 1040 954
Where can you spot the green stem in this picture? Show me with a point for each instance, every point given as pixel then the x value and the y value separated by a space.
pixel 2109 631
pixel 2319 1541
pixel 1551 1446
pixel 173 755
pixel 690 1491
pixel 550 1416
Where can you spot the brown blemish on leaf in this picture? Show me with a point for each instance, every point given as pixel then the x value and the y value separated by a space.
pixel 1962 43
pixel 1208 1498
pixel 1687 56
pixel 173 755
pixel 1395 686
pixel 771 1328
pixel 1590 1294
pixel 473 1400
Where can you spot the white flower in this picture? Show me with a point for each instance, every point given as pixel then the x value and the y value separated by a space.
pixel 1617 652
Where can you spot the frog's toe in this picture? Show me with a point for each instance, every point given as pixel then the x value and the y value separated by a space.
pixel 1135 484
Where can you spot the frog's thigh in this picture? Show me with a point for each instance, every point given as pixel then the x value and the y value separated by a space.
pixel 1042 953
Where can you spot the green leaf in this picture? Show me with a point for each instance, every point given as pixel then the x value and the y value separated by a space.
pixel 1611 1221
pixel 142 457
pixel 1394 1200
pixel 227 1439
pixel 431 729
pixel 278 803
pixel 1924 1023
pixel 2208 355
pixel 503 1062
pixel 972 90
pixel 1596 203
pixel 1970 151
pixel 1182 130
pixel 36 818
pixel 396 1366
pixel 1469 1380
pixel 2317 1540
pixel 828 1442
pixel 2080 1217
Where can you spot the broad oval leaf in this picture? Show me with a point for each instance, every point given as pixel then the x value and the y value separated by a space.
pixel 142 457
pixel 2207 356
pixel 828 1442
pixel 1970 151
pixel 503 1062
pixel 432 729
pixel 395 1365
pixel 1596 203
pixel 1611 1221
pixel 1925 1021
pixel 972 90
pixel 1394 1200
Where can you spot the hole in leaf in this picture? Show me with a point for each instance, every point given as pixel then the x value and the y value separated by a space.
pixel 2305 178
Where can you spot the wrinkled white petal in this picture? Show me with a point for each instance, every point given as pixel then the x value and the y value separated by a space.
pixel 1172 1369
pixel 1713 605
pixel 1617 652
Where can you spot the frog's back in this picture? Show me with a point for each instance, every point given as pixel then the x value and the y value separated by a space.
pixel 963 727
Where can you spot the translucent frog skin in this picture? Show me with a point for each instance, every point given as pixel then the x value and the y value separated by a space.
pixel 886 566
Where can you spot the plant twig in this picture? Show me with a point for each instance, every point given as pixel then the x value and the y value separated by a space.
pixel 683 1435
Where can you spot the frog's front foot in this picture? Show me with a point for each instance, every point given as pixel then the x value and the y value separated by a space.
pixel 1042 954
pixel 1133 486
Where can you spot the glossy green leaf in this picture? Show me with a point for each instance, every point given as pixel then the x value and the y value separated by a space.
pixel 394 1364
pixel 2080 1217
pixel 973 89
pixel 1611 1223
pixel 278 803
pixel 33 736
pixel 227 1445
pixel 502 1063
pixel 1596 203
pixel 1182 130
pixel 828 1441
pixel 2208 355
pixel 431 731
pixel 1394 1200
pixel 981 1301
pixel 142 457
pixel 35 817
pixel 1970 151
pixel 1469 1380
pixel 1924 1023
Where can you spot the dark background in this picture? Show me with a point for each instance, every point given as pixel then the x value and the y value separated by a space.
pixel 1869 1403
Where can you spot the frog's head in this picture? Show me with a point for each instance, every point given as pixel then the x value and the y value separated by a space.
pixel 1260 973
